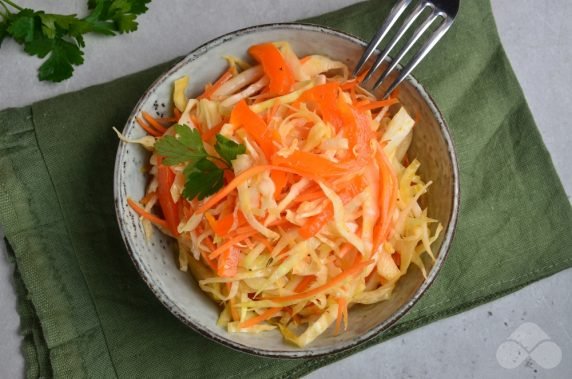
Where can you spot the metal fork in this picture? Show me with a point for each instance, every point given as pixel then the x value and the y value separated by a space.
pixel 445 10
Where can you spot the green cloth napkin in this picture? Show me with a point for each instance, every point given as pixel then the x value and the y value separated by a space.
pixel 86 313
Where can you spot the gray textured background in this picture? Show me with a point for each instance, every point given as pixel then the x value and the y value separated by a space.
pixel 537 38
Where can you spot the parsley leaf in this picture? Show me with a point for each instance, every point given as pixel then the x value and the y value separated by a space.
pixel 3 31
pixel 187 145
pixel 60 37
pixel 203 176
pixel 119 13
pixel 59 65
pixel 228 149
pixel 203 179
pixel 23 26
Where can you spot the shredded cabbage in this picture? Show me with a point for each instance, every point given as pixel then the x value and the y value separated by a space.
pixel 179 87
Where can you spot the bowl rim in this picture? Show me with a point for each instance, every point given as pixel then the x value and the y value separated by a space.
pixel 301 353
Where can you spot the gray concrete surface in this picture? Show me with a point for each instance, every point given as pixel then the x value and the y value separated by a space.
pixel 537 38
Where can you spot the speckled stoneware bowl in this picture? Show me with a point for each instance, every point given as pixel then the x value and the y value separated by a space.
pixel 156 260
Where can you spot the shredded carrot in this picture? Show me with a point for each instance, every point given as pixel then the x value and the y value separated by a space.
pixel 346 247
pixel 388 199
pixel 216 85
pixel 378 104
pixel 208 134
pixel 154 123
pixel 224 223
pixel 279 178
pixel 242 177
pixel 148 196
pixel 305 283
pixel 228 244
pixel 167 120
pixel 211 220
pixel 314 164
pixel 314 224
pixel 197 124
pixel 176 113
pixel 355 269
pixel 261 317
pixel 228 262
pixel 209 243
pixel 342 305
pixel 146 215
pixel 264 241
pixel 272 112
pixel 147 128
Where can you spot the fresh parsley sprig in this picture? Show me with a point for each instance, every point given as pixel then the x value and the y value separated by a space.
pixel 60 37
pixel 203 176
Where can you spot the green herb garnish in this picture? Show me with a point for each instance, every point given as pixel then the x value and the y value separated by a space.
pixel 60 37
pixel 203 176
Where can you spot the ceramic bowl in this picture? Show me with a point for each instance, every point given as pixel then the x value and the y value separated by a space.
pixel 179 292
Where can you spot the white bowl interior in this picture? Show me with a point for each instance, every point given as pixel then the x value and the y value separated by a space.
pixel 179 292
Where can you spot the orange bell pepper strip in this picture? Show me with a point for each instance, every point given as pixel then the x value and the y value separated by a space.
pixel 242 116
pixel 357 128
pixel 280 179
pixel 324 98
pixel 224 224
pixel 165 177
pixel 274 66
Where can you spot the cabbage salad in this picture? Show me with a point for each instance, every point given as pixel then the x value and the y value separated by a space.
pixel 289 191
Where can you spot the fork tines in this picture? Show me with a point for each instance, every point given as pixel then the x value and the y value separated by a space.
pixel 442 10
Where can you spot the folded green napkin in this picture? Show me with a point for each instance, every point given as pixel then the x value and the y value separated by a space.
pixel 86 313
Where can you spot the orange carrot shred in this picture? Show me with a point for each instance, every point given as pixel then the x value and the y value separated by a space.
pixel 216 85
pixel 154 123
pixel 228 262
pixel 211 220
pixel 149 216
pixel 341 306
pixel 355 269
pixel 219 250
pixel 147 128
pixel 377 104
pixel 242 177
pixel 147 198
pixel 208 134
pixel 304 283
pixel 261 317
